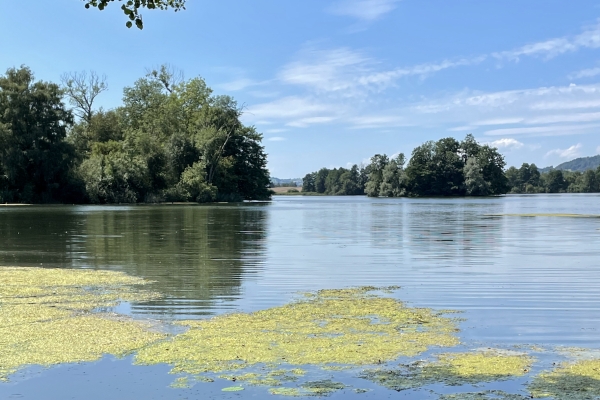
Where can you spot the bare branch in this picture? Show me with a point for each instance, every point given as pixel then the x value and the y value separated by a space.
pixel 82 89
pixel 168 75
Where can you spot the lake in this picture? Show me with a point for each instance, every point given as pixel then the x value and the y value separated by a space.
pixel 517 280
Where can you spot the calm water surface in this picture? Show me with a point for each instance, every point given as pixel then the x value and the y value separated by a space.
pixel 519 280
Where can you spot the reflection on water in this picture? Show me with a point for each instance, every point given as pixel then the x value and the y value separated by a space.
pixel 197 255
pixel 519 280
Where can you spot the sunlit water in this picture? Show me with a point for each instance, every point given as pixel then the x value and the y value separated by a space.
pixel 519 280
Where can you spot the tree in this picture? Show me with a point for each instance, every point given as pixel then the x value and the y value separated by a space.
pixel 82 90
pixel 475 183
pixel 392 178
pixel 132 8
pixel 436 169
pixel 35 160
pixel 320 178
pixel 378 163
pixel 308 183
pixel 554 181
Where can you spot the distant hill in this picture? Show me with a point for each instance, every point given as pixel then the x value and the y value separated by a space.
pixel 579 164
pixel 278 181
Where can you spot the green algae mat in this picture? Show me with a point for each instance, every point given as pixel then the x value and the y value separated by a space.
pixel 310 347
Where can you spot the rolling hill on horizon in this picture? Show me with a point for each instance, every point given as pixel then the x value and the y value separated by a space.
pixel 580 164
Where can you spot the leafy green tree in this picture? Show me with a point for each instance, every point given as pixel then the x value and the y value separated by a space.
pixel 436 168
pixel 132 8
pixel 392 178
pixel 492 167
pixel 35 159
pixel 375 177
pixel 350 181
pixel 308 183
pixel 320 178
pixel 113 175
pixel 554 181
pixel 475 183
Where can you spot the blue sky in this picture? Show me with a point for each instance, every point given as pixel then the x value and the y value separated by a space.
pixel 330 83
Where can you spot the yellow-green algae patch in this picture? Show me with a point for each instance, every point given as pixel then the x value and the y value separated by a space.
pixel 574 381
pixel 314 388
pixel 563 215
pixel 46 317
pixel 487 395
pixel 331 327
pixel 454 369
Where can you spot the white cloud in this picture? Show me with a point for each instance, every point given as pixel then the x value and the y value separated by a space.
pixel 326 71
pixel 507 143
pixel 499 121
pixel 589 38
pixel 304 122
pixel 585 73
pixel 350 72
pixel 276 139
pixel 598 150
pixel 289 107
pixel 369 121
pixel 365 10
pixel 462 128
pixel 552 119
pixel 566 105
pixel 571 152
pixel 552 130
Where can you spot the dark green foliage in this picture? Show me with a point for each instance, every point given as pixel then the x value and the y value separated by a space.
pixel 451 168
pixel 170 141
pixel 35 159
pixel 528 179
pixel 308 183
pixel 336 181
pixel 443 168
pixel 131 8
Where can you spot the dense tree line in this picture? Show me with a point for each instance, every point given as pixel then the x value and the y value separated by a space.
pixel 171 140
pixel 528 179
pixel 443 168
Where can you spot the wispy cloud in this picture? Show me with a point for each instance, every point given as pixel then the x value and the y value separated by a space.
pixel 507 143
pixel 585 73
pixel 351 72
pixel 589 38
pixel 571 152
pixel 552 130
pixel 304 122
pixel 276 139
pixel 364 10
pixel 291 107
pixel 598 150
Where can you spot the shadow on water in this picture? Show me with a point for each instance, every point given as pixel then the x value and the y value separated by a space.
pixel 198 256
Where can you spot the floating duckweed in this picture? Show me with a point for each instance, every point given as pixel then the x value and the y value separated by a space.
pixel 181 383
pixel 360 391
pixel 453 369
pixel 232 389
pixel 342 327
pixel 46 317
pixel 322 388
pixel 294 392
pixel 573 381
pixel 315 388
pixel 487 395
